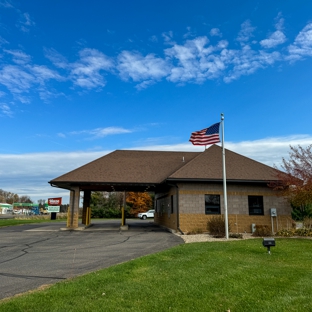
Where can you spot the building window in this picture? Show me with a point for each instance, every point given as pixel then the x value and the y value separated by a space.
pixel 212 204
pixel 255 204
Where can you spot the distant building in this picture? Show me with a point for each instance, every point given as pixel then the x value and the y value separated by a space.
pixel 6 208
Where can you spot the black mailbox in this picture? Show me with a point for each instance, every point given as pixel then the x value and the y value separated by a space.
pixel 268 242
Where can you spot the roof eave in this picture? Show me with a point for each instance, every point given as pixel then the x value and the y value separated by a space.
pixel 105 186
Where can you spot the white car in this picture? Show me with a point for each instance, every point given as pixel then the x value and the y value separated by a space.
pixel 147 214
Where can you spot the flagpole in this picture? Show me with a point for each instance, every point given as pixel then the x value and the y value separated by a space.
pixel 224 182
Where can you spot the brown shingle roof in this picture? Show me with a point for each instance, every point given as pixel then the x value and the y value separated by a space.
pixel 124 166
pixel 155 167
pixel 208 165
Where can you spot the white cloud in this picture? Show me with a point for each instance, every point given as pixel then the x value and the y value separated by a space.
pixel 102 132
pixel 56 58
pixel 192 61
pixel 275 39
pixel 6 4
pixel 279 25
pixel 190 33
pixel 247 61
pixel 302 45
pixel 23 76
pixel 168 37
pixel 215 32
pixel 3 41
pixel 61 135
pixel 43 73
pixel 16 79
pixel 28 174
pixel 19 57
pixel 145 84
pixel 195 61
pixel 25 22
pixel 245 33
pixel 138 67
pixel 5 110
pixel 86 72
pixel 153 38
pixel 28 20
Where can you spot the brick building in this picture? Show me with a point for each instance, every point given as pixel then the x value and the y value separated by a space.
pixel 188 187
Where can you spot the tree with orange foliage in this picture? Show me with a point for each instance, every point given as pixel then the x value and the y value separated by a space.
pixel 296 180
pixel 139 202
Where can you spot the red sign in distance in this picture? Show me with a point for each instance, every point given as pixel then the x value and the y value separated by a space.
pixel 55 201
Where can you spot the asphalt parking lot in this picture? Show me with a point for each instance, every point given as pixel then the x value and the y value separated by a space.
pixel 34 255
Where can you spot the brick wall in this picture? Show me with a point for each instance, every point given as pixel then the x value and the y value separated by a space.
pixel 238 223
pixel 191 200
pixel 166 209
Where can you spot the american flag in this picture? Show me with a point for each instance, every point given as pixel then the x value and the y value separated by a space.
pixel 206 136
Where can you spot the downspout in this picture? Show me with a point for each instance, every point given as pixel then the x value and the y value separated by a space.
pixel 178 213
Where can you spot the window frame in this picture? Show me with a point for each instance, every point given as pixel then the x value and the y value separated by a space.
pixel 216 207
pixel 252 207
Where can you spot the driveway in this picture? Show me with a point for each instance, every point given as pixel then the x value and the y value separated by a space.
pixel 38 254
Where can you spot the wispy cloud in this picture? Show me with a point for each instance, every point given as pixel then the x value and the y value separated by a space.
pixel 101 132
pixel 137 67
pixel 56 58
pixel 302 45
pixel 3 41
pixel 168 37
pixel 246 32
pixel 18 56
pixel 23 77
pixel 6 4
pixel 195 61
pixel 16 79
pixel 215 32
pixel 153 38
pixel 247 61
pixel 25 22
pixel 86 72
pixel 5 110
pixel 277 37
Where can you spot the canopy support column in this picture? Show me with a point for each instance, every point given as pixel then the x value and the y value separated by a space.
pixel 86 207
pixel 123 216
pixel 73 212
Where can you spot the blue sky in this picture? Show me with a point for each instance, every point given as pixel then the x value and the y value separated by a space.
pixel 81 79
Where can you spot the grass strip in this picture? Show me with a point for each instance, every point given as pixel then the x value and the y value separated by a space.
pixel 11 222
pixel 215 276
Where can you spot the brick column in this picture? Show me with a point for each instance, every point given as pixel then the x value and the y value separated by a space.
pixel 73 213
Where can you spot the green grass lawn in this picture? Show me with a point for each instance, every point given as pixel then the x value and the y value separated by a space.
pixel 216 276
pixel 10 222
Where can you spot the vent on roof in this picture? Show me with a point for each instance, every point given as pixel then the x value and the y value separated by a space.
pixel 183 159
